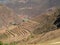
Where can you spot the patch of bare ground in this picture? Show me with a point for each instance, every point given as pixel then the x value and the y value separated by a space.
pixel 45 37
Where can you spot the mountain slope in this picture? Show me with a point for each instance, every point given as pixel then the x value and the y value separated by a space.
pixel 49 26
pixel 31 7
pixel 6 15
pixel 41 28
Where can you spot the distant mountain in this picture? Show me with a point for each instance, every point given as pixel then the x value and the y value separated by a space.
pixel 30 7
pixel 54 3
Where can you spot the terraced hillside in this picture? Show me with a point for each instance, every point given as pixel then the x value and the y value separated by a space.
pixel 29 31
pixel 13 28
pixel 13 34
pixel 18 32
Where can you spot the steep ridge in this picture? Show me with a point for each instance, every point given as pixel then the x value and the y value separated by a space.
pixel 48 19
pixel 49 26
pixel 7 16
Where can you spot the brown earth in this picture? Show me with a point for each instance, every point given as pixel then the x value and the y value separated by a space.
pixel 39 29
